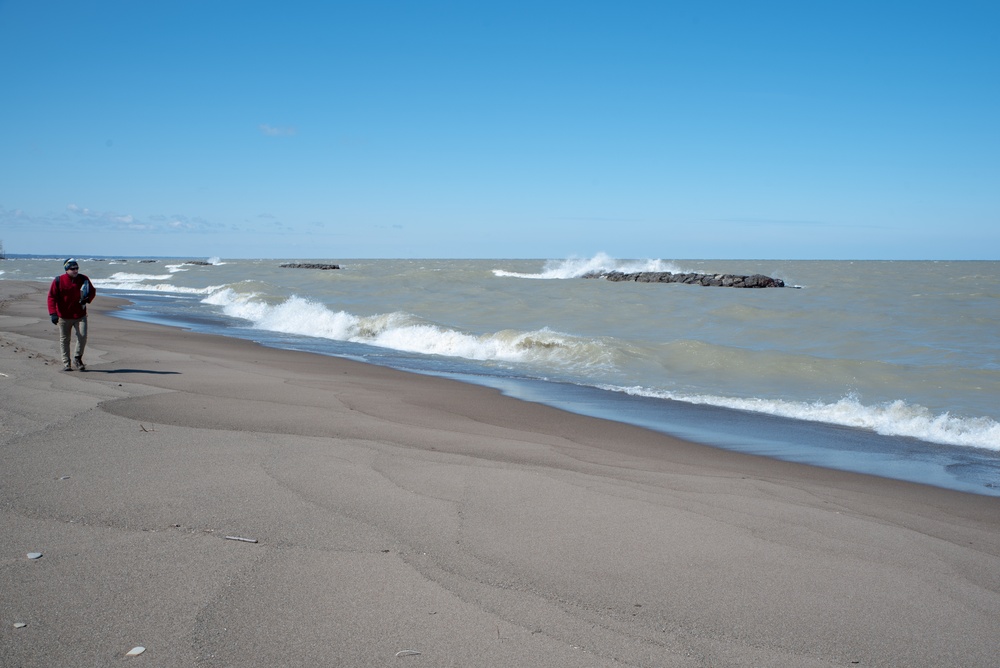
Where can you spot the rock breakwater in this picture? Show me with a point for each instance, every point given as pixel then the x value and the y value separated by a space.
pixel 309 265
pixel 720 280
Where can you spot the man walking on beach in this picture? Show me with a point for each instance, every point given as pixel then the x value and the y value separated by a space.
pixel 68 298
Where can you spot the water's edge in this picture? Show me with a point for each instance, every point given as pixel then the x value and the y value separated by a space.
pixel 813 443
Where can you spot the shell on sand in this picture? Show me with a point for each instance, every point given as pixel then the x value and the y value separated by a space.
pixel 136 651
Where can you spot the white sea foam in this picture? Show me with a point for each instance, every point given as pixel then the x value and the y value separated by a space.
pixel 138 283
pixel 125 276
pixel 600 263
pixel 407 333
pixel 186 266
pixel 895 418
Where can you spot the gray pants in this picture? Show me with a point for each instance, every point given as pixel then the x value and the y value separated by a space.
pixel 66 328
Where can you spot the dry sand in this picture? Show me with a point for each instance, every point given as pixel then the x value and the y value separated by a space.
pixel 398 512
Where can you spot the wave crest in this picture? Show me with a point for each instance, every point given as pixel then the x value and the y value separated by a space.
pixel 129 282
pixel 600 263
pixel 408 333
pixel 894 418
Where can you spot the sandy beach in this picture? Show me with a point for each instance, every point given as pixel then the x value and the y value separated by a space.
pixel 406 520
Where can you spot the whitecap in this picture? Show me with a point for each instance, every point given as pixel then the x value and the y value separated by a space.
pixel 406 332
pixel 599 264
pixel 893 418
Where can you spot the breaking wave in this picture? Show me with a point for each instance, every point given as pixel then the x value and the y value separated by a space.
pixel 600 263
pixel 408 333
pixel 894 418
pixel 149 283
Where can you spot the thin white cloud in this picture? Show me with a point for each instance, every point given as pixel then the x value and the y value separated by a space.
pixel 775 221
pixel 108 220
pixel 276 131
pixel 786 222
pixel 20 219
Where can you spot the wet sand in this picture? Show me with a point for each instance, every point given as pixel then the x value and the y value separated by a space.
pixel 398 513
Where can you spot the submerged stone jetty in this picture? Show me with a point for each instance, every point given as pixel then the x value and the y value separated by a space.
pixel 309 265
pixel 721 280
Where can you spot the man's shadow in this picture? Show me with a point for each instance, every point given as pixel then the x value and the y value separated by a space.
pixel 160 373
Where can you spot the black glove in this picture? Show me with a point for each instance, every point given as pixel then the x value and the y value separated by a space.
pixel 55 319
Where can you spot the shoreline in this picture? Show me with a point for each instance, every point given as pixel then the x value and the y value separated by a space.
pixel 821 443
pixel 399 511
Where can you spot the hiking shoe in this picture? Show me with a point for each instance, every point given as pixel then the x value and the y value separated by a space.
pixel 67 367
pixel 79 364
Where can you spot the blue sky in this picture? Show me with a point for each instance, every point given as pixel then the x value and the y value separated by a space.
pixel 243 129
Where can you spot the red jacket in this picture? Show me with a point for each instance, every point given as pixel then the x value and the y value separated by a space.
pixel 64 296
